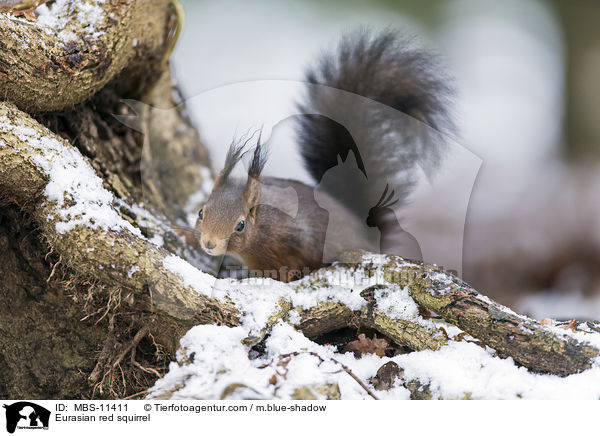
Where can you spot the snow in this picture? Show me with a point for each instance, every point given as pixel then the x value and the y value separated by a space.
pixel 396 303
pixel 73 185
pixel 154 224
pixel 133 270
pixel 157 240
pixel 192 277
pixel 212 359
pixel 257 306
pixel 460 368
pixel 294 317
pixel 443 279
pixel 587 337
pixel 335 285
pixel 260 298
pixel 55 19
pixel 62 18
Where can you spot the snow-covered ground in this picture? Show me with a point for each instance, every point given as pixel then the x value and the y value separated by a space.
pixel 214 362
pixel 213 358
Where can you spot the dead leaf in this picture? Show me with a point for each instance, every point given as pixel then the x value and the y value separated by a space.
pixel 571 326
pixel 364 345
pixel 546 321
pixel 24 8
pixel 273 379
pixel 386 376
pixel 461 336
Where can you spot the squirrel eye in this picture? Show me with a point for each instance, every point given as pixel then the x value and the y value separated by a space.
pixel 201 214
pixel 240 226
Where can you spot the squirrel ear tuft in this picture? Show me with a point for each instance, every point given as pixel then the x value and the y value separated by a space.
pixel 235 154
pixel 259 159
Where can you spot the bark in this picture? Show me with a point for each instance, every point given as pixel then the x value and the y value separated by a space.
pixel 155 288
pixel 526 340
pixel 531 344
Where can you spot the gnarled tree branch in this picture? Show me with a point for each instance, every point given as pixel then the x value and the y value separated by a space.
pixel 47 66
pixel 30 157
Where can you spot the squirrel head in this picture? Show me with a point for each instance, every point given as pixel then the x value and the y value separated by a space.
pixel 227 219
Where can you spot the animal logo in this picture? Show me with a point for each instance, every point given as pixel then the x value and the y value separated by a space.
pixel 26 415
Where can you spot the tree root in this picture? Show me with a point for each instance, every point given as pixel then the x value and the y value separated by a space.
pixel 113 372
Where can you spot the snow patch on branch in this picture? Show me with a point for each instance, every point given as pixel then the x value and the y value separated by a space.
pixel 260 298
pixel 192 277
pixel 73 185
pixel 583 334
pixel 63 17
pixel 396 302
pixel 462 368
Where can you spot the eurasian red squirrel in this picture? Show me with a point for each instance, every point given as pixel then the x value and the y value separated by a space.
pixel 375 97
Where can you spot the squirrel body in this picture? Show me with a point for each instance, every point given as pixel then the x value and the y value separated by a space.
pixel 291 244
pixel 285 228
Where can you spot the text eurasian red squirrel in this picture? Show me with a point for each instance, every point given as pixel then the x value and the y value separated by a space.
pixel 375 96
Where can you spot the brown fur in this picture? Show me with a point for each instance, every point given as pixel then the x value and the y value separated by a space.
pixel 272 243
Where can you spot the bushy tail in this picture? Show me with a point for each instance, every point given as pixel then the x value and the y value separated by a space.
pixel 385 101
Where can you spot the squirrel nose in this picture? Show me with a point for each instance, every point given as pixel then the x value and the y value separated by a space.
pixel 209 245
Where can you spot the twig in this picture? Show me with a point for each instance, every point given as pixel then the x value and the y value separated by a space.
pixel 344 367
pixel 148 370
pixel 351 374
pixel 53 270
pixel 145 391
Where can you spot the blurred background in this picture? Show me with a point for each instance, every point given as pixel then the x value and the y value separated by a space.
pixel 526 74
